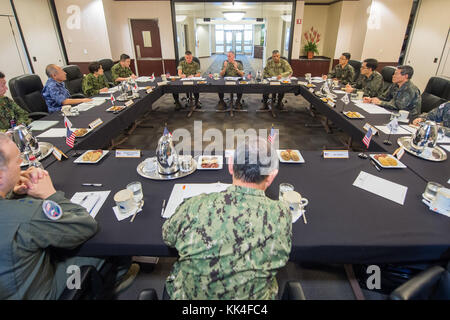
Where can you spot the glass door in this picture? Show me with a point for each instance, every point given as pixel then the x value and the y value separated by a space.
pixel 228 41
pixel 238 42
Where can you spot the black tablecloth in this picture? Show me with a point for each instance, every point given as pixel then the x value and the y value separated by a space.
pixel 345 223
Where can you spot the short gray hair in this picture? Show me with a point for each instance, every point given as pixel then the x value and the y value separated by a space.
pixel 254 160
pixel 406 70
pixel 275 51
pixel 50 70
pixel 3 156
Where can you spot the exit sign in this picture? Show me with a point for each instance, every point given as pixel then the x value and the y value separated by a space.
pixel 299 21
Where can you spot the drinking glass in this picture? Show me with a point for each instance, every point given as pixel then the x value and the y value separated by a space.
pixel 431 190
pixel 284 187
pixel 136 188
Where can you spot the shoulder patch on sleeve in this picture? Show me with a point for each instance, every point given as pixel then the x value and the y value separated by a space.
pixel 52 210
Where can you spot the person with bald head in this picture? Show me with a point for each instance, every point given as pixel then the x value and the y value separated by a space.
pixel 55 92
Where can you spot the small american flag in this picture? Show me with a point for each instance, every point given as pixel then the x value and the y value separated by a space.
pixel 70 137
pixel 271 136
pixel 367 138
pixel 135 86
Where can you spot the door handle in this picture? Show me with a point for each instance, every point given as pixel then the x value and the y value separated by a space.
pixel 138 51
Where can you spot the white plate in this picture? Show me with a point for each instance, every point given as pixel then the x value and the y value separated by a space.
pixel 88 130
pixel 80 158
pixel 302 160
pixel 219 158
pixel 358 115
pixel 398 166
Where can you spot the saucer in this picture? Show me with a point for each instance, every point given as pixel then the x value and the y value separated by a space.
pixel 428 199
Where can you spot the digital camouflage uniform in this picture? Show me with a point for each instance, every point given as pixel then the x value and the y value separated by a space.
pixel 188 69
pixel 230 71
pixel 9 110
pixel 93 84
pixel 273 69
pixel 27 269
pixel 230 245
pixel 407 97
pixel 117 71
pixel 372 86
pixel 439 114
pixel 345 75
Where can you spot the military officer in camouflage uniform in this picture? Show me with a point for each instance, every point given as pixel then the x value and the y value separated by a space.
pixel 10 113
pixel 343 71
pixel 231 243
pixel 95 82
pixel 187 68
pixel 231 68
pixel 276 67
pixel 121 70
pixel 440 114
pixel 403 94
pixel 370 80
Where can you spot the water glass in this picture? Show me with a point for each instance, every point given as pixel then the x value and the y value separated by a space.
pixel 136 188
pixel 431 190
pixel 284 187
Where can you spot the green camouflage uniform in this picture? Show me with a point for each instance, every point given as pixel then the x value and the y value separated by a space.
pixel 345 75
pixel 407 97
pixel 93 84
pixel 10 110
pixel 118 71
pixel 189 69
pixel 230 245
pixel 27 269
pixel 372 86
pixel 273 69
pixel 230 71
pixel 439 114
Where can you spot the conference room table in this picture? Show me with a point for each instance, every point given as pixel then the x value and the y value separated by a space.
pixel 345 224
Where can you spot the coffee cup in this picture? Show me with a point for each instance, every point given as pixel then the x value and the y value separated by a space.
pixel 125 201
pixel 163 77
pixel 336 83
pixel 403 114
pixel 359 94
pixel 441 203
pixel 294 200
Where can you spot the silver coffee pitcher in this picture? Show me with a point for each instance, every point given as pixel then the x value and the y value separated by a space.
pixel 425 137
pixel 167 156
pixel 25 141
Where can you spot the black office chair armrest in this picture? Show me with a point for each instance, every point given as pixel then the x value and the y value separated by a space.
pixel 420 287
pixel 293 291
pixel 148 294
pixel 91 284
pixel 77 96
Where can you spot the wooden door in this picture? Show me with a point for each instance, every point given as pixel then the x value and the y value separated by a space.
pixel 147 47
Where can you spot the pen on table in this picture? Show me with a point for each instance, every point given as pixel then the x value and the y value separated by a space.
pixel 92 184
pixel 375 165
pixel 163 207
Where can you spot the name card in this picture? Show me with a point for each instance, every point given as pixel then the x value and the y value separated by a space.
pixel 335 154
pixel 149 90
pixel 125 153
pixel 129 103
pixel 188 83
pixel 230 83
pixel 275 83
pixel 163 83
pixel 58 153
pixel 311 90
pixel 374 130
pixel 399 152
pixel 331 104
pixel 95 123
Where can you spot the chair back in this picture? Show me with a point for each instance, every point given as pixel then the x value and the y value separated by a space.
pixel 74 79
pixel 107 64
pixel 357 66
pixel 26 91
pixel 436 93
pixel 387 73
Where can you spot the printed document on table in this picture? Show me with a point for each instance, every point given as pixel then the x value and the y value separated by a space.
pixel 143 79
pixel 53 133
pixel 91 201
pixel 180 192
pixel 372 108
pixel 192 79
pixel 381 187
pixel 41 125
pixel 386 130
pixel 232 78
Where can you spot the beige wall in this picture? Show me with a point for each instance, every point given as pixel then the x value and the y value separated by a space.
pixel 345 29
pixel 386 29
pixel 298 34
pixel 204 44
pixel 428 39
pixel 118 13
pixel 332 28
pixel 315 16
pixel 89 40
pixel 274 28
pixel 5 8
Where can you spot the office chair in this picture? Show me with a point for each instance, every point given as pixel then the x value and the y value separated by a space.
pixel 74 81
pixel 436 93
pixel 26 91
pixel 357 66
pixel 431 284
pixel 387 73
pixel 107 64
